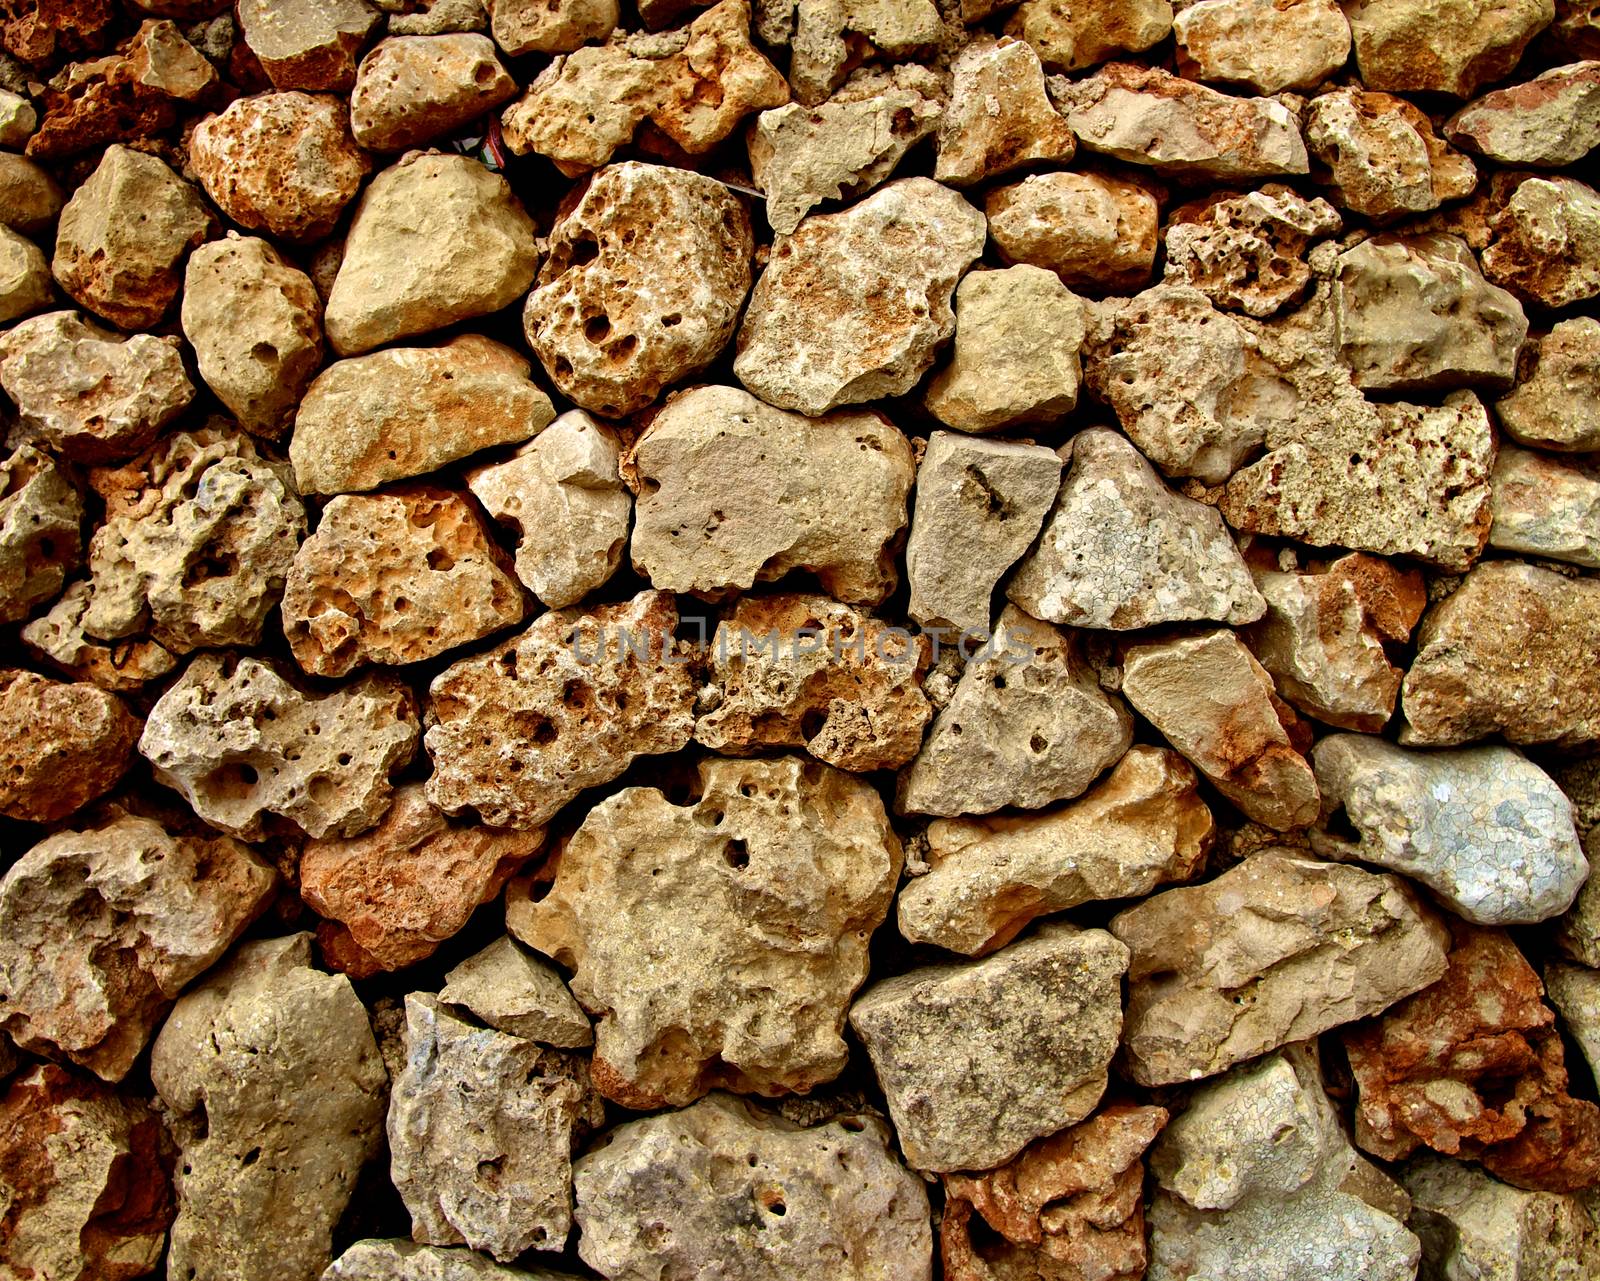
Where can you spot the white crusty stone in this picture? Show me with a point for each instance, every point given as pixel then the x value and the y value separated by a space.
pixel 1265 45
pixel 519 993
pixel 999 117
pixel 1553 119
pixel 1545 506
pixel 1557 406
pixel 41 539
pixel 1093 230
pixel 397 1260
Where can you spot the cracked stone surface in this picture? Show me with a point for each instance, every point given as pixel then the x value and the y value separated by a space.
pixel 518 993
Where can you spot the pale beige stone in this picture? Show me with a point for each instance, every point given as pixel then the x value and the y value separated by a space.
pixel 520 994
pixel 307 44
pixel 999 117
pixel 18 120
pixel 25 281
pixel 411 89
pixel 830 36
pixel 1545 506
pixel 538 26
pixel 1553 119
pixel 1544 243
pixel 1265 45
pixel 59 638
pixel 1092 230
pixel 41 540
pixel 1442 46
pixel 1574 990
pixel 1557 405
pixel 1382 156
pixel 1069 34
pixel 29 197
pixel 434 17
pixel 398 1260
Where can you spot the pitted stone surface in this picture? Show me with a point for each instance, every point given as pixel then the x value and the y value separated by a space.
pixel 41 540
pixel 826 39
pixel 1545 242
pixel 521 994
pixel 1557 406
pixel 1093 230
pixel 1383 158
pixel 59 638
pixel 999 117
pixel 1441 46
pixel 536 26
pixel 411 89
pixel 307 44
pixel 64 745
pixel 1262 45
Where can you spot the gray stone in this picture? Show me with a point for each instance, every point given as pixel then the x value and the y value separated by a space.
pixel 518 993
pixel 1545 506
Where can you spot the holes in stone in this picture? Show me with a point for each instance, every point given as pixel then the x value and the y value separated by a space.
pixel 265 352
pixel 597 329
pixel 484 74
pixel 440 560
pixel 584 249
pixel 1037 744
pixel 251 1157
pixel 736 854
pixel 673 319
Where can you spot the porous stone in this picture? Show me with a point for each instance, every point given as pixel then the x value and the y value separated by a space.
pixel 322 761
pixel 283 163
pixel 642 285
pixel 977 1060
pixel 1574 990
pixel 1262 45
pixel 122 237
pixel 518 993
pixel 1557 405
pixel 731 1188
pixel 1276 949
pixel 150 913
pixel 804 671
pixel 732 491
pixel 1509 653
pixel 41 541
pixel 1147 116
pixel 411 89
pixel 999 117
pixel 762 896
pixel 30 200
pixel 255 324
pixel 84 391
pixel 59 638
pixel 1545 242
pixel 1093 230
pixel 1070 36
pixel 198 538
pixel 1381 155
pixel 435 239
pixel 307 44
pixel 1028 725
pixel 1485 829
pixel 481 1129
pixel 1553 119
pixel 826 39
pixel 518 731
pixel 1545 506
pixel 537 26
pixel 1323 637
pixel 988 878
pixel 1441 46
pixel 398 1260
pixel 434 17
pixel 408 884
pixel 399 413
pixel 274 1090
pixel 25 281
pixel 63 745
pixel 1212 701
pixel 980 504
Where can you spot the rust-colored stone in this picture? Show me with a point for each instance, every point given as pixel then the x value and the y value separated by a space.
pixel 61 745
pixel 37 30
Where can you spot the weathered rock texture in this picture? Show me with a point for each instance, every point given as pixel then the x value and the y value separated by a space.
pixel 999 117
pixel 41 541
pixel 1093 230
pixel 1556 406
pixel 411 89
pixel 65 744
pixel 1382 156
pixel 519 993
pixel 1450 47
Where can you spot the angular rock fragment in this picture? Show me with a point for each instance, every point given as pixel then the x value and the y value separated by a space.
pixel 1028 725
pixel 1262 45
pixel 1382 156
pixel 30 200
pixel 1545 242
pixel 979 507
pixel 240 743
pixel 988 878
pixel 41 540
pixel 642 285
pixel 1444 46
pixel 150 913
pixel 307 44
pixel 25 282
pixel 62 745
pixel 978 1060
pixel 481 1129
pixel 1553 119
pixel 398 1260
pixel 434 17
pixel 517 732
pixel 1546 506
pixel 697 1190
pixel 275 1091
pixel 518 993
pixel 1092 230
pixel 18 120
pixel 536 26
pixel 1574 990
pixel 827 39
pixel 999 117
pixel 1068 36
pixel 1276 949
pixel 399 413
pixel 1511 652
pixel 733 491
pixel 59 638
pixel 435 239
pixel 411 89
pixel 1558 405
pixel 761 897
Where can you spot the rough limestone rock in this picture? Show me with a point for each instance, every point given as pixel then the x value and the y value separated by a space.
pixel 1393 478
pixel 1147 116
pixel 1545 242
pixel 756 904
pixel 255 324
pixel 239 743
pixel 536 26
pixel 733 491
pixel 18 120
pixel 978 1060
pixel 399 413
pixel 435 239
pixel 1558 405
pixel 1212 701
pixel 988 878
pixel 1069 36
pixel 393 578
pixel 30 200
pixel 1028 725
pixel 58 637
pixel 1382 157
pixel 1093 230
pixel 275 1092
pixel 1256 1178
pixel 307 44
pixel 835 682
pixel 86 392
pixel 434 17
pixel 1277 949
pixel 25 281
pixel 1190 384
pixel 999 117
pixel 1322 638
pixel 801 156
pixel 1547 507
pixel 642 285
pixel 1473 1067
pixel 517 732
pixel 826 39
pixel 1442 46
pixel 1015 359
pixel 1262 45
pixel 1553 119
pixel 199 535
pixel 725 1188
pixel 481 1129
pixel 855 305
pixel 1415 315
pixel 122 237
pixel 1485 829
pixel 41 516
pixel 283 163
pixel 1069 1205
pixel 411 89
pixel 63 745
pixel 398 1260
pixel 85 1179
pixel 150 913
pixel 562 495
pixel 1574 990
pixel 1577 933
pixel 518 993
pixel 411 882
